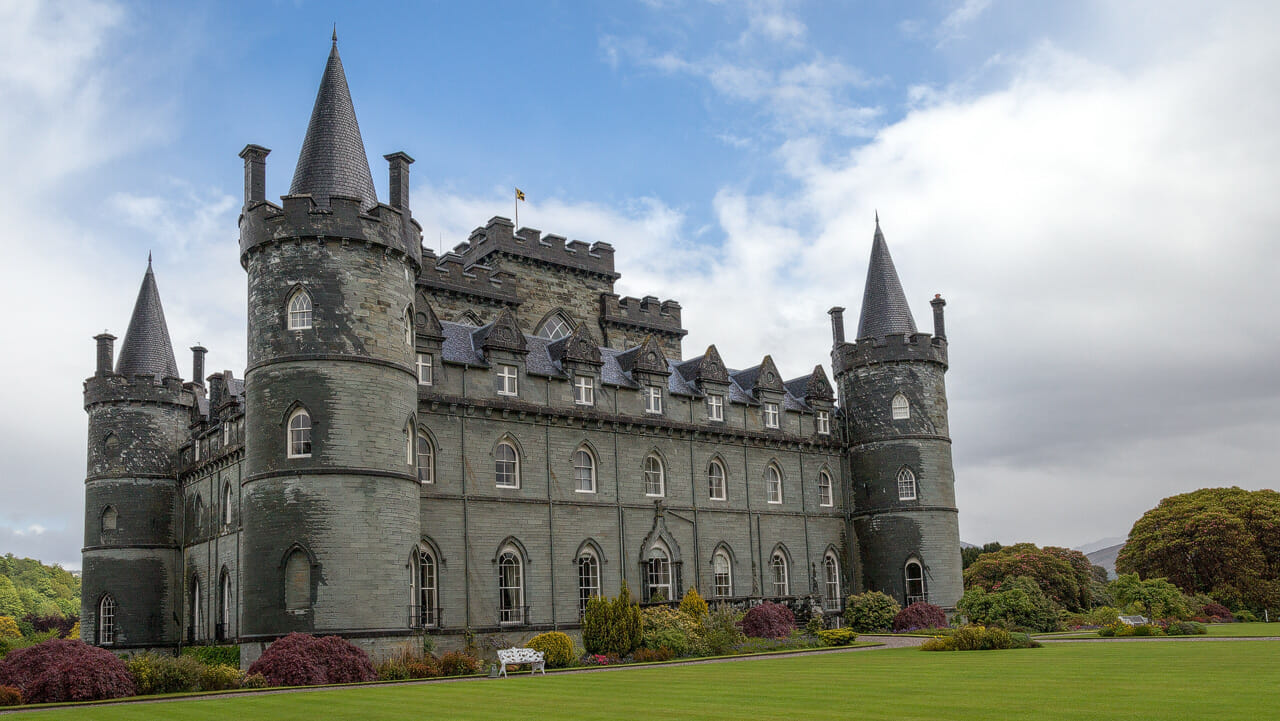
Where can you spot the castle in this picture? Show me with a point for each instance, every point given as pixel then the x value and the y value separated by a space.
pixel 477 442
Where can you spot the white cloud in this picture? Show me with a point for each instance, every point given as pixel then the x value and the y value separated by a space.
pixel 954 24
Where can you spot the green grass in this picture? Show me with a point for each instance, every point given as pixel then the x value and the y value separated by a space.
pixel 1216 630
pixel 1060 681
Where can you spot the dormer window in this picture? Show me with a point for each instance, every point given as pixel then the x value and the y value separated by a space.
pixel 823 420
pixel 555 327
pixel 425 369
pixel 300 311
pixel 771 415
pixel 584 391
pixel 715 407
pixel 505 383
pixel 652 399
pixel 901 409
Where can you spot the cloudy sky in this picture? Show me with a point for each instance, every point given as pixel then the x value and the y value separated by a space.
pixel 1092 186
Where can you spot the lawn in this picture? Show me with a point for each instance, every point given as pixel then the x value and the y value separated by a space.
pixel 1219 630
pixel 1060 681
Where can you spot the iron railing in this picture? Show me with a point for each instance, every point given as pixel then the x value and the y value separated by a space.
pixel 425 616
pixel 517 616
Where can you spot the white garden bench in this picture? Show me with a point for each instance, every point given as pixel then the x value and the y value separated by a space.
pixel 535 659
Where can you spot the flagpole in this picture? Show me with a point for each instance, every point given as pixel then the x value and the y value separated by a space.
pixel 516 203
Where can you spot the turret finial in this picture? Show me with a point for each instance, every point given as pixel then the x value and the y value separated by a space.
pixel 148 260
pixel 335 33
pixel 877 217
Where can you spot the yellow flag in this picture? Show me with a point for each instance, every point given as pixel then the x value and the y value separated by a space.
pixel 519 194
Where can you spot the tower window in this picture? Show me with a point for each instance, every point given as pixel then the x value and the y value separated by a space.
pixel 773 482
pixel 771 415
pixel 197 616
pixel 654 477
pixel 915 582
pixel 408 325
pixel 721 575
pixel 506 467
pixel 505 383
pixel 824 489
pixel 716 483
pixel 780 574
pixel 300 311
pixel 715 407
pixel 297 581
pixel 652 399
pixel 109 518
pixel 425 362
pixel 300 434
pixel 823 420
pixel 228 504
pixel 906 485
pixel 584 471
pixel 106 620
pixel 224 606
pixel 584 390
pixel 426 460
pixel 428 597
pixel 901 408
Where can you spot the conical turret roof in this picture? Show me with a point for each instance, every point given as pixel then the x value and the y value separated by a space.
pixel 332 161
pixel 146 349
pixel 884 305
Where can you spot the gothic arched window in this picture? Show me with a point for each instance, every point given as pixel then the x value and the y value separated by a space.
pixel 299 440
pixel 588 578
pixel 510 587
pixel 773 482
pixel 658 574
pixel 716 483
pixel 721 574
pixel 106 620
pixel 584 471
pixel 831 577
pixel 906 485
pixel 825 496
pixel 506 466
pixel 299 310
pixel 297 581
pixel 654 477
pixel 914 574
pixel 426 460
pixel 780 574
pixel 901 408
pixel 555 327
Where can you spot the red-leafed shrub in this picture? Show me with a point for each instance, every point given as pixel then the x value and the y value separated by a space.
pixel 768 620
pixel 1217 610
pixel 457 663
pixel 61 670
pixel 10 696
pixel 919 615
pixel 302 660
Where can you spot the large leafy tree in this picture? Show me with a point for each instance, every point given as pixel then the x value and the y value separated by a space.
pixel 1065 576
pixel 1221 541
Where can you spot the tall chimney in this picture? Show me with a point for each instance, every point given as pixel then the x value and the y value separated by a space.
pixel 939 327
pixel 399 182
pixel 106 353
pixel 255 177
pixel 197 364
pixel 837 324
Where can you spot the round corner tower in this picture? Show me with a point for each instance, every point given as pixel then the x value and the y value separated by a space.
pixel 138 418
pixel 330 495
pixel 892 389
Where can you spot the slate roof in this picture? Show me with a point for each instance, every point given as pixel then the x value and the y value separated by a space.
pixel 332 161
pixel 146 349
pixel 884 305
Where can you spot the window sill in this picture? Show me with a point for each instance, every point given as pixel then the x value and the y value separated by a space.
pixel 655 495
pixel 774 503
pixel 579 490
pixel 509 488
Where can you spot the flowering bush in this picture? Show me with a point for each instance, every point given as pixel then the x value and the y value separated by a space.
pixel 671 628
pixel 645 655
pixel 597 659
pixel 556 648
pixel 220 677
pixel 61 670
pixel 10 696
pixel 9 628
pixel 1218 611
pixel 302 660
pixel 870 611
pixel 458 663
pixel 919 615
pixel 768 620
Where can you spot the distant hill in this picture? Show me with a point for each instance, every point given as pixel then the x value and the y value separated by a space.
pixel 1100 544
pixel 1106 557
pixel 27 586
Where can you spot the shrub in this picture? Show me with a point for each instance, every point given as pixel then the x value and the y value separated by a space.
pixel 1214 609
pixel 1154 597
pixel 1019 604
pixel 814 624
pixel 768 620
pixel 423 667
pixel 837 636
pixel 693 606
pixel 595 625
pixel 10 696
pixel 646 655
pixel 1245 616
pixel 159 673
pixel 51 622
pixel 919 615
pixel 9 628
pixel 458 663
pixel 61 670
pixel 556 648
pixel 669 627
pixel 255 680
pixel 220 677
pixel 302 660
pixel 74 633
pixel 1122 630
pixel 979 638
pixel 870 611
pixel 215 655
pixel 720 631
pixel 1186 628
pixel 392 669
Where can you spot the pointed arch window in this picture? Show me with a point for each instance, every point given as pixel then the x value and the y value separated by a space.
pixel 106 620
pixel 228 504
pixel 300 434
pixel 658 575
pixel 506 466
pixel 831 578
pixel 196 631
pixel 299 311
pixel 721 574
pixel 825 495
pixel 225 604
pixel 773 483
pixel 408 325
pixel 297 581
pixel 199 513
pixel 914 574
pixel 588 578
pixel 901 408
pixel 655 483
pixel 426 460
pixel 584 471
pixel 409 451
pixel 555 327
pixel 428 590
pixel 906 485
pixel 511 587
pixel 109 518
pixel 717 484
pixel 780 574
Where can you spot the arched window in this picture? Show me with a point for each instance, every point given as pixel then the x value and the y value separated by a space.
pixel 658 575
pixel 228 504
pixel 588 578
pixel 511 587
pixel 467 317
pixel 300 311
pixel 906 485
pixel 915 582
pixel 109 518
pixel 428 590
pixel 722 574
pixel 199 513
pixel 408 325
pixel 773 481
pixel 225 604
pixel 584 471
pixel 506 468
pixel 825 496
pixel 106 620
pixel 300 434
pixel 110 443
pixel 297 581
pixel 426 460
pixel 831 576
pixel 555 327
pixel 716 484
pixel 409 450
pixel 901 408
pixel 197 618
pixel 780 574
pixel 655 483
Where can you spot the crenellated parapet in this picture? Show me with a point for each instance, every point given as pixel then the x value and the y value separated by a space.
pixel 115 388
pixel 263 223
pixel 894 347
pixel 648 313
pixel 451 273
pixel 500 236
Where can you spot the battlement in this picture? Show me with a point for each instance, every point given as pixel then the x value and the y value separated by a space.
pixel 452 274
pixel 115 388
pixel 647 312
pixel 263 223
pixel 895 347
pixel 499 236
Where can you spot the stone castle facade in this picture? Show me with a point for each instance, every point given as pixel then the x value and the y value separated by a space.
pixel 477 442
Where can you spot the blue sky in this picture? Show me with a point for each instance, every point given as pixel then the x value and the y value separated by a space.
pixel 1090 184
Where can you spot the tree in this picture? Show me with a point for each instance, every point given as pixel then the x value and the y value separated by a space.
pixel 10 602
pixel 971 553
pixel 1154 597
pixel 1224 542
pixel 1018 605
pixel 1065 576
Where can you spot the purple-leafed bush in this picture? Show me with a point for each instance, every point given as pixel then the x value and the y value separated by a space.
pixel 62 670
pixel 302 660
pixel 768 620
pixel 919 615
pixel 1218 611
